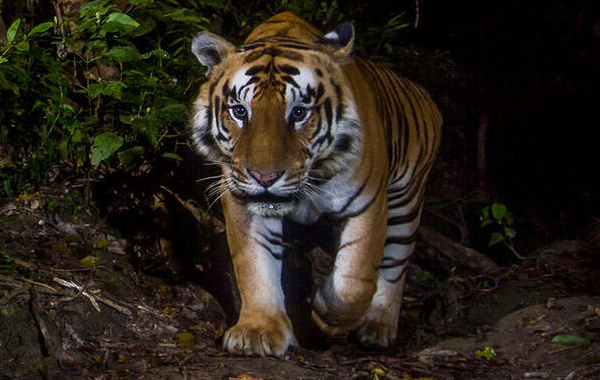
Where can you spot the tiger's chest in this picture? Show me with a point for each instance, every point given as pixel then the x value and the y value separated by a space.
pixel 339 197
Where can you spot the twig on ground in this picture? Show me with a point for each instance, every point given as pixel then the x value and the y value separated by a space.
pixel 41 284
pixel 81 289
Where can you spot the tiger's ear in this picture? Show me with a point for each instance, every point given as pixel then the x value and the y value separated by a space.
pixel 211 49
pixel 339 41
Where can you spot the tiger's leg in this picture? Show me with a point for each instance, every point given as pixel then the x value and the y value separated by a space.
pixel 256 246
pixel 347 292
pixel 380 323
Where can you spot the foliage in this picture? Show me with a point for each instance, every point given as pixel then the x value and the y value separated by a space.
pixel 6 262
pixel 376 43
pixel 105 89
pixel 488 353
pixel 497 216
pixel 570 340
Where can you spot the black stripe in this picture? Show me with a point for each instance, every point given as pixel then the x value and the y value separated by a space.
pixel 288 69
pixel 255 69
pixel 317 130
pixel 211 89
pixel 272 240
pixel 252 46
pixel 276 256
pixel 390 262
pixel 343 143
pixel 358 212
pixel 348 244
pixel 320 92
pixel 208 140
pixel 353 197
pixel 402 219
pixel 404 240
pixel 290 80
pixel 295 46
pixel 225 88
pixel 397 278
pixel 339 107
pixel 328 112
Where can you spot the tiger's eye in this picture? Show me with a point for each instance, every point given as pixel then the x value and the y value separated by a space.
pixel 298 113
pixel 239 112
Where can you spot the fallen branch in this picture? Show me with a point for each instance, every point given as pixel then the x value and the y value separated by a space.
pixel 449 254
pixel 80 291
pixel 92 297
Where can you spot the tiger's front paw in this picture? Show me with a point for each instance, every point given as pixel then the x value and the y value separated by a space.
pixel 380 324
pixel 334 316
pixel 377 335
pixel 265 336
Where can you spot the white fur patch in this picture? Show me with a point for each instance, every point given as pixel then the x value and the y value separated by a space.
pixel 293 95
pixel 332 36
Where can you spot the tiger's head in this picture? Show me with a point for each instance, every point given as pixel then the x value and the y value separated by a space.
pixel 277 114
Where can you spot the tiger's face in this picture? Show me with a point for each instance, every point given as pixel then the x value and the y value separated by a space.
pixel 279 120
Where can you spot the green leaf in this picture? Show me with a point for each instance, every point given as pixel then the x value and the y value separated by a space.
pixel 126 119
pixel 158 53
pixel 130 157
pixel 145 27
pixel 183 15
pixel 112 89
pixel 510 232
pixel 118 22
pixel 173 156
pixel 571 340
pixel 141 2
pixel 185 340
pixel 174 112
pixel 486 222
pixel 89 261
pixel 485 213
pixel 147 127
pixel 487 352
pixel 123 54
pixel 41 28
pixel 510 219
pixel 95 8
pixel 215 4
pixel 2 60
pixel 498 211
pixel 11 32
pixel 22 46
pixel 105 145
pixel 495 239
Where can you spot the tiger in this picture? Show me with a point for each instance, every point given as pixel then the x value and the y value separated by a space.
pixel 301 130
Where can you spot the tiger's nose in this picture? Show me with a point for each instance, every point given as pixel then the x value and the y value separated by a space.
pixel 265 179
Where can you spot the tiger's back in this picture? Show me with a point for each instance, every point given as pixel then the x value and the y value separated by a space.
pixel 302 129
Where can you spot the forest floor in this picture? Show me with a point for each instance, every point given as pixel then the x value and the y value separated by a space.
pixel 74 305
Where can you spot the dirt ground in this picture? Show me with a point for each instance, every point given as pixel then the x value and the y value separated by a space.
pixel 75 304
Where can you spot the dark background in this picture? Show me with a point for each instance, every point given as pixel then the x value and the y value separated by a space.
pixel 530 71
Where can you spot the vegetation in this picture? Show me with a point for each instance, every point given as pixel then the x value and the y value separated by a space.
pixel 500 220
pixel 103 90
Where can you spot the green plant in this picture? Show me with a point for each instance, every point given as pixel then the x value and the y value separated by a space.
pixel 102 90
pixel 6 262
pixel 501 220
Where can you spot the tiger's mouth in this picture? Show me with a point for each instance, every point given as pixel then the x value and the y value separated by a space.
pixel 265 197
pixel 267 204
